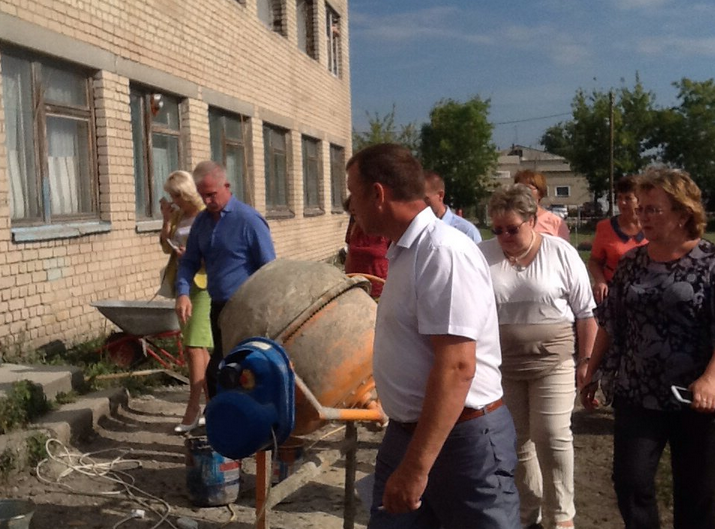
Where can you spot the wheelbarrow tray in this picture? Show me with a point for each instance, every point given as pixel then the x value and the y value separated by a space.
pixel 140 318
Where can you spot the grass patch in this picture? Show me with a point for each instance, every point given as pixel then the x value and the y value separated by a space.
pixel 24 402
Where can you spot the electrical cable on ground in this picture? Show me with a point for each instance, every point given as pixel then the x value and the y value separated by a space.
pixel 75 462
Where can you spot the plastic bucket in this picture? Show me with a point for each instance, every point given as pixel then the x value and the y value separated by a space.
pixel 288 459
pixel 16 514
pixel 211 479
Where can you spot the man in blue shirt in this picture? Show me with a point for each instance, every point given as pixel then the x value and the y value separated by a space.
pixel 434 196
pixel 232 240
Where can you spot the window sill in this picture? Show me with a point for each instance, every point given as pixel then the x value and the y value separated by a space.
pixel 338 211
pixel 313 212
pixel 278 214
pixel 145 226
pixel 59 231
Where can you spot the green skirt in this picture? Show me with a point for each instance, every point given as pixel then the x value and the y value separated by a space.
pixel 197 331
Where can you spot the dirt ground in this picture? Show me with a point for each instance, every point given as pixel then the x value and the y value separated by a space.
pixel 145 430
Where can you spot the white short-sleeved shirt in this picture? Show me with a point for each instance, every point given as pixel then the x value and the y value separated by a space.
pixel 554 288
pixel 439 283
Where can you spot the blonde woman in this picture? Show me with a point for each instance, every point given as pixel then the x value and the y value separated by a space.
pixel 179 215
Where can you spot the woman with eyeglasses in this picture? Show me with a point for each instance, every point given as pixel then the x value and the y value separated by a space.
pixel 614 237
pixel 657 330
pixel 544 302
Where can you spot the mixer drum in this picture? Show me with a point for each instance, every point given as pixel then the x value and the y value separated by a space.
pixel 324 320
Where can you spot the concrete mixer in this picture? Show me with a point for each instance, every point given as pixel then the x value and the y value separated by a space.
pixel 326 323
pixel 322 323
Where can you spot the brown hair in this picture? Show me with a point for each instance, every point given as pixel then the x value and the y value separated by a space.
pixel 683 192
pixel 394 167
pixel 627 184
pixel 435 181
pixel 532 178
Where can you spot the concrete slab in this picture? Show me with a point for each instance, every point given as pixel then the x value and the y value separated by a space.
pixel 53 379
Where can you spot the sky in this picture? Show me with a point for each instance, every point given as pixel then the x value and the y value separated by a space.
pixel 528 57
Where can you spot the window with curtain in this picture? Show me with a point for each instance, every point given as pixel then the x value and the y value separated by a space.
pixel 229 137
pixel 305 18
pixel 274 143
pixel 49 144
pixel 311 176
pixel 157 147
pixel 337 178
pixel 332 30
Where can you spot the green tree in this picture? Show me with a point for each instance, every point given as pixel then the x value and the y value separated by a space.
pixel 382 129
pixel 457 144
pixel 685 133
pixel 585 140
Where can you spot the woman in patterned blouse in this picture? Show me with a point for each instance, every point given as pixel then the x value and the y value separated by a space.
pixel 658 330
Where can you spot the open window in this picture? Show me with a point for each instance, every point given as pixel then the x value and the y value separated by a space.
pixel 333 31
pixel 157 147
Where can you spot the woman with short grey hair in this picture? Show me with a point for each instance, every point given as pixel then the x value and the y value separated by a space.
pixel 542 289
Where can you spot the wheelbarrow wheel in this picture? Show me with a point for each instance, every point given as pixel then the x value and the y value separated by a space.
pixel 124 350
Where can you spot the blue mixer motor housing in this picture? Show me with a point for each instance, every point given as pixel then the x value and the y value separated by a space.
pixel 255 403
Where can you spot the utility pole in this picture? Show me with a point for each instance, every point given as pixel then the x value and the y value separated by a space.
pixel 610 155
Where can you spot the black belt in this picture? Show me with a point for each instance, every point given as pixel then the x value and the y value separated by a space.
pixel 467 415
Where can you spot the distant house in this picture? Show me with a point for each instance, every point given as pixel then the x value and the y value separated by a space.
pixel 563 186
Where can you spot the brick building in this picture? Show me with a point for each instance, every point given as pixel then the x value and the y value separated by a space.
pixel 101 99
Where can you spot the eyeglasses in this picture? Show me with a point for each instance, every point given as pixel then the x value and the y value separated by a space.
pixel 511 230
pixel 649 210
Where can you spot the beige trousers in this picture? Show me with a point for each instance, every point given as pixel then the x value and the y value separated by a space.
pixel 541 408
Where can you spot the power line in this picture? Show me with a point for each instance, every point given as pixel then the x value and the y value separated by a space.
pixel 532 119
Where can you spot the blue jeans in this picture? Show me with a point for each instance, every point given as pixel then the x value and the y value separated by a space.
pixel 470 485
pixel 639 438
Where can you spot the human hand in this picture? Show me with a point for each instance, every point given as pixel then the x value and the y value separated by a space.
pixel 600 291
pixel 180 250
pixel 183 309
pixel 403 491
pixel 703 394
pixel 166 208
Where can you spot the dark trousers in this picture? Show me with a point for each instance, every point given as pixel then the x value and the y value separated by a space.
pixel 217 353
pixel 640 436
pixel 470 485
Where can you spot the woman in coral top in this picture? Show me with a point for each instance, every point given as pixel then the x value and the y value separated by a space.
pixel 546 222
pixel 614 237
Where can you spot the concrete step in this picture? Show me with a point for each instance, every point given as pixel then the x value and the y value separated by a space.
pixel 53 379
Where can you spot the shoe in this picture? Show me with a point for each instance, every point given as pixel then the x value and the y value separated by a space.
pixel 186 428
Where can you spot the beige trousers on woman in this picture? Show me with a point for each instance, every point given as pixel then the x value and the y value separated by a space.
pixel 541 408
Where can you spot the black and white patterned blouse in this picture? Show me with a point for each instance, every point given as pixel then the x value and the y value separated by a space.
pixel 660 318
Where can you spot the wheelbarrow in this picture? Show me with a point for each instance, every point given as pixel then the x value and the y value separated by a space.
pixel 142 324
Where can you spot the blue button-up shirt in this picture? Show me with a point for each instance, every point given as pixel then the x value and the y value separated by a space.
pixel 232 248
pixel 466 227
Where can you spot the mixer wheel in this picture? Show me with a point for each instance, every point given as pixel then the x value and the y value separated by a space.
pixel 123 350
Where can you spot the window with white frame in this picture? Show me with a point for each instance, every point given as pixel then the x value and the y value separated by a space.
pixel 49 140
pixel 275 141
pixel 337 178
pixel 311 176
pixel 157 147
pixel 563 191
pixel 305 14
pixel 229 137
pixel 333 30
pixel 272 14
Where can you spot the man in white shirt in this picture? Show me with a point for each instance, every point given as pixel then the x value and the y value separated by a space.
pixel 434 196
pixel 448 455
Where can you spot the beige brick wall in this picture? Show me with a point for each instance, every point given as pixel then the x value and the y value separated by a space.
pixel 210 53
